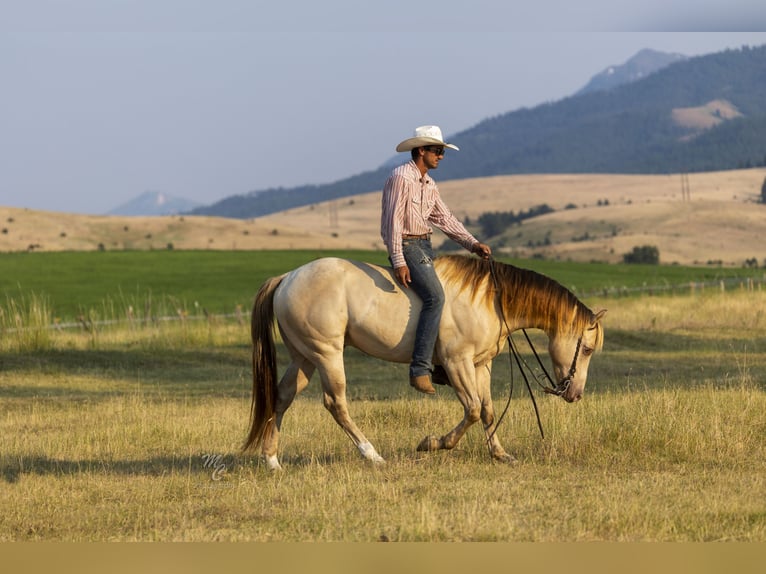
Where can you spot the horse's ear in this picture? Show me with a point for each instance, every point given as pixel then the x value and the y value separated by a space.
pixel 598 316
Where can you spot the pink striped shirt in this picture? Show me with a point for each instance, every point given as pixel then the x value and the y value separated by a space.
pixel 410 203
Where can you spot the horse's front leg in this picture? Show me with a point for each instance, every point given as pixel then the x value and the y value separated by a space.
pixel 483 382
pixel 463 379
pixel 476 396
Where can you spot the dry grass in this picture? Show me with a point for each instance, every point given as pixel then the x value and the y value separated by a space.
pixel 135 436
pixel 710 312
pixel 689 469
pixel 722 222
pixel 50 231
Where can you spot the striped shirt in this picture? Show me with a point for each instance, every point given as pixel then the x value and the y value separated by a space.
pixel 410 203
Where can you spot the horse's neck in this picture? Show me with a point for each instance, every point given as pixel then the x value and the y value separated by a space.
pixel 530 308
pixel 525 322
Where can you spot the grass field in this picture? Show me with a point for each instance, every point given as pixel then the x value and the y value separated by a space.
pixel 132 432
pixel 74 283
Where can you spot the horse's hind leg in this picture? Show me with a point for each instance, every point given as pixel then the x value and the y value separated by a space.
pixel 333 378
pixel 294 380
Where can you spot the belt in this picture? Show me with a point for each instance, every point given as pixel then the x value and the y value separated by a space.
pixel 423 236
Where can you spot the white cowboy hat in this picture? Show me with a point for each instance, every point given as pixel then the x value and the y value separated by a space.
pixel 425 135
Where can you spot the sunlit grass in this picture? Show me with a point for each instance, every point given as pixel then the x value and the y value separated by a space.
pixel 598 476
pixel 706 312
pixel 24 323
pixel 27 324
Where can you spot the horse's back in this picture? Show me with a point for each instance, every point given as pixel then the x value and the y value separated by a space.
pixel 330 276
pixel 338 302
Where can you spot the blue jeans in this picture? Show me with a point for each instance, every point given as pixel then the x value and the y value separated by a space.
pixel 419 256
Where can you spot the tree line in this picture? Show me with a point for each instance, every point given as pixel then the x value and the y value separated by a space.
pixel 496 222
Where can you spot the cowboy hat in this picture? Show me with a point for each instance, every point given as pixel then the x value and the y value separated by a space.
pixel 425 135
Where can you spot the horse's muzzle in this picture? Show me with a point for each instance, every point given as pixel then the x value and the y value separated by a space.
pixel 564 390
pixel 573 398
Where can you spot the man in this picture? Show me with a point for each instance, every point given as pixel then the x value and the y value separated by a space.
pixel 411 204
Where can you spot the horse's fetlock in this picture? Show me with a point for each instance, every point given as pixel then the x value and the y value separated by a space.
pixel 449 442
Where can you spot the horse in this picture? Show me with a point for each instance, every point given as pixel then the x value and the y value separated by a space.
pixel 331 303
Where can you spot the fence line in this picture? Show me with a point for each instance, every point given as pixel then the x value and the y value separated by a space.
pixel 88 324
pixel 744 284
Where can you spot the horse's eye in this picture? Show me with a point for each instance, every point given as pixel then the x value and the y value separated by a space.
pixel 587 351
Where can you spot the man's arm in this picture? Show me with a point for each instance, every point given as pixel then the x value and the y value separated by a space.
pixel 392 218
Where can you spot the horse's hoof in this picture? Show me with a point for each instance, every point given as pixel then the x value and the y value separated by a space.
pixel 272 462
pixel 368 451
pixel 429 443
pixel 506 459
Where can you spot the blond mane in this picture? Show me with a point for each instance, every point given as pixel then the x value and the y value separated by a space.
pixel 524 293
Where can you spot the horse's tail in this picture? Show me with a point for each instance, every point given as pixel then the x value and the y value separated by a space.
pixel 264 365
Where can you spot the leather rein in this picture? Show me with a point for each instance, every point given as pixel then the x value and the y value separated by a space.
pixel 557 389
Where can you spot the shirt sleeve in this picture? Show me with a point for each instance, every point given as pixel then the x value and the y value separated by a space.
pixel 392 217
pixel 442 217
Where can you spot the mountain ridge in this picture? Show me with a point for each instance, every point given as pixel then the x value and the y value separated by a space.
pixel 626 129
pixel 643 64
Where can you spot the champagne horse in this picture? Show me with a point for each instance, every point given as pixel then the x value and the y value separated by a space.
pixel 330 303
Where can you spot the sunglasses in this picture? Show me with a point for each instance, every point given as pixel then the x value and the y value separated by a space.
pixel 438 150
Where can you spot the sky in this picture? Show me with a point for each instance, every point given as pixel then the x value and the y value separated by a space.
pixel 103 100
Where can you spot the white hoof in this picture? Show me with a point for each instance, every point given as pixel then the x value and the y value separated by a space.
pixel 273 462
pixel 368 451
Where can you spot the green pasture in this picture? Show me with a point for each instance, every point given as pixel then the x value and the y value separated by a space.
pixel 78 283
pixel 218 281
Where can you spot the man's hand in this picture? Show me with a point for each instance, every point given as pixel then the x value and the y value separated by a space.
pixel 482 250
pixel 402 275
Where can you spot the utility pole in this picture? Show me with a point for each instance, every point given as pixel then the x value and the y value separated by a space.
pixel 685 189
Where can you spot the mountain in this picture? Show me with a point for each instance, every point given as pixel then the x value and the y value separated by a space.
pixel 699 114
pixel 640 66
pixel 155 203
pixel 632 128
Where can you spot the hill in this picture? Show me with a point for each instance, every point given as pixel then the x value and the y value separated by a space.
pixel 642 127
pixel 596 217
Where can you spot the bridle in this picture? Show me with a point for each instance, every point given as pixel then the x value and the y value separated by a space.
pixel 557 389
pixel 563 385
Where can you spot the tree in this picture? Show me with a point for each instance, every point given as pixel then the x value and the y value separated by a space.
pixel 648 254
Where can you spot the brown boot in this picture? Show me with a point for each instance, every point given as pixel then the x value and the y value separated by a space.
pixel 423 384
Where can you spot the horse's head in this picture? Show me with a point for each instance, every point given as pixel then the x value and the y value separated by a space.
pixel 571 353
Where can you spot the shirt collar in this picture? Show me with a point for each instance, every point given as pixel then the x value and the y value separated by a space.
pixel 416 171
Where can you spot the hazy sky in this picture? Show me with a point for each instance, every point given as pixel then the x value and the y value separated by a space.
pixel 102 100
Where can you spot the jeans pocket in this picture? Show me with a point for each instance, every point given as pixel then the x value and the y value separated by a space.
pixel 417 252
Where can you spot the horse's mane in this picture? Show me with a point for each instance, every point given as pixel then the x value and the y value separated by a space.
pixel 524 293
